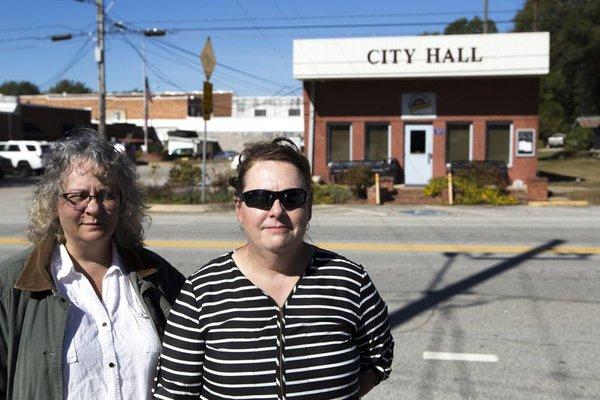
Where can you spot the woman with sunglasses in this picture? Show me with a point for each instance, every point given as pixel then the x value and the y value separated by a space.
pixel 277 318
pixel 82 311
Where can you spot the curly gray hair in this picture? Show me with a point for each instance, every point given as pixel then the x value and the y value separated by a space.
pixel 115 170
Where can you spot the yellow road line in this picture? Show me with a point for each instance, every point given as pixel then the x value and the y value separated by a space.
pixel 362 246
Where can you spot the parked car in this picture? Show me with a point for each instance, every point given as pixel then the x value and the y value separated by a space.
pixel 5 167
pixel 557 140
pixel 26 156
pixel 228 155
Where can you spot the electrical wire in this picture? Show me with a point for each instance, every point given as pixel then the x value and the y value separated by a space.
pixel 77 57
pixel 322 17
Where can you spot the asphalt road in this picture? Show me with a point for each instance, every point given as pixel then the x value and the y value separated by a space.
pixel 485 303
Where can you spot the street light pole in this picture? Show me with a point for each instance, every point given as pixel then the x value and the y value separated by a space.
pixel 101 69
pixel 147 94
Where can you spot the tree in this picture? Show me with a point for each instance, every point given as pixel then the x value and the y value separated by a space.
pixel 572 88
pixel 17 88
pixel 463 25
pixel 69 86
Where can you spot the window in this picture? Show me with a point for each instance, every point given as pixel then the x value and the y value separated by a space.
pixel 194 107
pixel 498 143
pixel 377 142
pixel 260 112
pixel 338 141
pixel 30 147
pixel 418 141
pixel 458 141
pixel 13 147
pixel 116 115
pixel 293 112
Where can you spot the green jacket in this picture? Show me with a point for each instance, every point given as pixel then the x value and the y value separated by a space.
pixel 33 316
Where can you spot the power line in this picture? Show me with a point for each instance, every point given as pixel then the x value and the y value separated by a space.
pixel 77 57
pixel 185 51
pixel 315 26
pixel 322 17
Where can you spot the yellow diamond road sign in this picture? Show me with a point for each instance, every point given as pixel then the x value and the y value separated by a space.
pixel 208 59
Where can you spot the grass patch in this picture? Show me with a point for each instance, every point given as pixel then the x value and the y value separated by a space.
pixel 585 168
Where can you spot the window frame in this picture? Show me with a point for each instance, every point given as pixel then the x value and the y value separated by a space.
pixel 350 135
pixel 459 123
pixel 509 164
pixel 389 138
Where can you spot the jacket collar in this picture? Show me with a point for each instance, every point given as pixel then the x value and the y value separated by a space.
pixel 35 275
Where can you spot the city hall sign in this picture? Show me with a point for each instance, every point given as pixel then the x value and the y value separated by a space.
pixel 433 55
pixel 499 54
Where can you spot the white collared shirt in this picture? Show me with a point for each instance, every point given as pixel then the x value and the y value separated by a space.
pixel 110 347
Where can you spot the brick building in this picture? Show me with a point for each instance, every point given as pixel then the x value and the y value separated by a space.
pixel 424 100
pixel 37 122
pixel 121 107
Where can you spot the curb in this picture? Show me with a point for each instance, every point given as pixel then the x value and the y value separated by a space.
pixel 559 203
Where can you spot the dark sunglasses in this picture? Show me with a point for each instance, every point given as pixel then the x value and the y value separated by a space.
pixel 263 199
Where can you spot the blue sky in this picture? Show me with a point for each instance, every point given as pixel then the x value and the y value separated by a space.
pixel 254 60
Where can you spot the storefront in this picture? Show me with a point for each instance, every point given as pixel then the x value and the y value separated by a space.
pixel 423 100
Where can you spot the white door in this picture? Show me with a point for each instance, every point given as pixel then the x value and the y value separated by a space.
pixel 418 154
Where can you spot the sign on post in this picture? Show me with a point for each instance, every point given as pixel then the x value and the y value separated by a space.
pixel 208 59
pixel 207 100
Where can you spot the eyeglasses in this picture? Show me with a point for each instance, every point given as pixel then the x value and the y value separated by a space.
pixel 80 200
pixel 263 199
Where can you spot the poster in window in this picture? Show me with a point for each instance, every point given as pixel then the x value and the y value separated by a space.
pixel 525 142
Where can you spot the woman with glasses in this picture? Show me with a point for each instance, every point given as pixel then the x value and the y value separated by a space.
pixel 82 312
pixel 277 318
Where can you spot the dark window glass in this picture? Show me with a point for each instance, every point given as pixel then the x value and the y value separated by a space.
pixel 377 142
pixel 195 107
pixel 30 147
pixel 417 142
pixel 260 113
pixel 13 147
pixel 339 143
pixel 457 143
pixel 293 112
pixel 498 143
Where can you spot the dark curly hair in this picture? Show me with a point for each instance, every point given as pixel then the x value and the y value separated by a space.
pixel 279 149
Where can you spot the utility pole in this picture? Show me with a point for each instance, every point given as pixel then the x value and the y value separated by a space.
pixel 146 94
pixel 485 16
pixel 101 69
pixel 535 15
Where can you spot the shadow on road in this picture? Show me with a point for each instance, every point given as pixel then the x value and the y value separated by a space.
pixel 435 297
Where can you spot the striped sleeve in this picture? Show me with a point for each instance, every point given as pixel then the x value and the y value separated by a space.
pixel 180 365
pixel 374 339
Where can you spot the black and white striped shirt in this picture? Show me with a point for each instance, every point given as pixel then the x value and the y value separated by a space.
pixel 226 339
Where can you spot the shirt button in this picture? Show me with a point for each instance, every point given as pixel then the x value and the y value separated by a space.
pixel 111 365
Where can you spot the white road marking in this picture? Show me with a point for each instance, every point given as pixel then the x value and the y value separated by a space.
pixel 434 355
pixel 359 211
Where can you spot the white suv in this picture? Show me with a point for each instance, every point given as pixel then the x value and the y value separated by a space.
pixel 26 156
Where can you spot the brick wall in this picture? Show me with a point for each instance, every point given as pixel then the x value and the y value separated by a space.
pixel 476 101
pixel 132 106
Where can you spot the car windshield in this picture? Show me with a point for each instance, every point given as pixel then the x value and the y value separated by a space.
pixel 45 148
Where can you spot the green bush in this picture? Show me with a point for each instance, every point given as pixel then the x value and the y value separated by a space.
pixel 331 194
pixel 469 192
pixel 483 173
pixel 579 139
pixel 359 178
pixel 184 174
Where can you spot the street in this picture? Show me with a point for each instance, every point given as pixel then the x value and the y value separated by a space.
pixel 485 303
